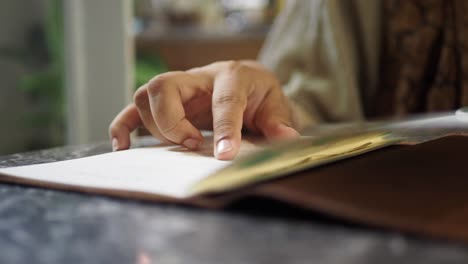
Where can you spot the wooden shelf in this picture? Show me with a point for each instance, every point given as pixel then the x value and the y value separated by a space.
pixel 185 49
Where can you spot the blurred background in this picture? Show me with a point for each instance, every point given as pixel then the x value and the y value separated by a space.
pixel 68 66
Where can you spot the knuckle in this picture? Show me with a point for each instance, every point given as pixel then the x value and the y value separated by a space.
pixel 243 69
pixel 237 67
pixel 156 84
pixel 228 100
pixel 223 126
pixel 162 81
pixel 140 98
pixel 231 64
pixel 113 129
pixel 239 72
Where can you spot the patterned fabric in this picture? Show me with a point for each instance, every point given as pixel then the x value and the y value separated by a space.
pixel 424 62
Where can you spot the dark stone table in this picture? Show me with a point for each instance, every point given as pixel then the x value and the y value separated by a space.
pixel 47 226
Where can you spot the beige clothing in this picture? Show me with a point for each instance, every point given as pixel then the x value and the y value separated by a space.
pixel 325 53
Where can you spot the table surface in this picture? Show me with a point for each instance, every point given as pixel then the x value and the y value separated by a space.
pixel 47 226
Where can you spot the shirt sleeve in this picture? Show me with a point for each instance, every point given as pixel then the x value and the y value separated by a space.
pixel 311 48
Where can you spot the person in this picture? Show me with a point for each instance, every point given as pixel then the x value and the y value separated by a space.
pixel 323 61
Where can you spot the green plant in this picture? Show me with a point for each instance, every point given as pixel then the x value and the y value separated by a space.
pixel 147 67
pixel 45 86
pixel 44 82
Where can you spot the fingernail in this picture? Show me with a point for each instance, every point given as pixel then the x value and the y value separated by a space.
pixel 115 144
pixel 191 143
pixel 223 146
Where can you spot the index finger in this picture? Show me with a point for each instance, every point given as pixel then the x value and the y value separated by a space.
pixel 123 124
pixel 168 93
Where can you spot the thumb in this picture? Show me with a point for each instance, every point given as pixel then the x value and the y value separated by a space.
pixel 276 129
pixel 275 121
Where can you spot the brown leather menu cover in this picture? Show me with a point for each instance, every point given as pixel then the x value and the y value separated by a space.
pixel 421 189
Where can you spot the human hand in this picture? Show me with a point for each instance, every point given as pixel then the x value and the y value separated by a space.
pixel 224 96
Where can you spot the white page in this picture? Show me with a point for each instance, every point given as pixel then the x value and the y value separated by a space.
pixel 163 170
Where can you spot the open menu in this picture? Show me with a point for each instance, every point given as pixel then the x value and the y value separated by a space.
pixel 409 176
pixel 173 171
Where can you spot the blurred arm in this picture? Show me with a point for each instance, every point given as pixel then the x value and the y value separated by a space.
pixel 312 49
